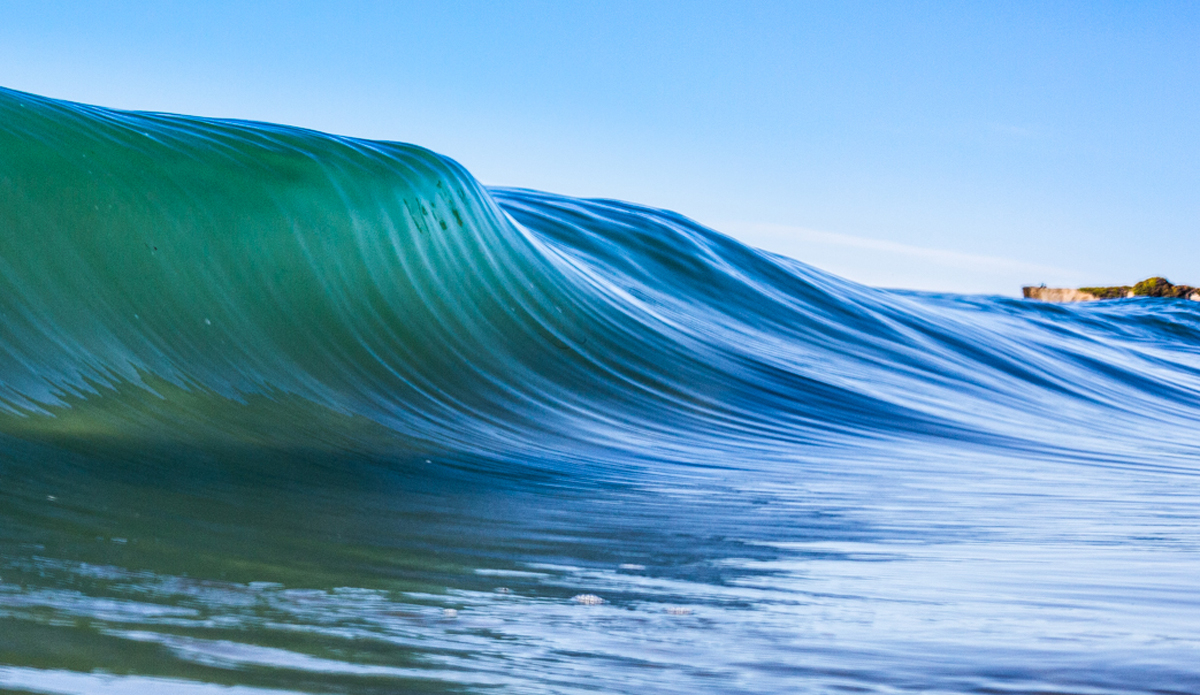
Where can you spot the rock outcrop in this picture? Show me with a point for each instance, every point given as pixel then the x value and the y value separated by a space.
pixel 1058 295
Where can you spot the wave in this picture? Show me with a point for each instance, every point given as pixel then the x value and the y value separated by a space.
pixel 291 412
pixel 197 281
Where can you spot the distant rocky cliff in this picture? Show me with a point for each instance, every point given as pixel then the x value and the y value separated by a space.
pixel 1153 287
pixel 1058 294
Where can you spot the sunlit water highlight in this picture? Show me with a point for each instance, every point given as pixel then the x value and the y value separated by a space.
pixel 287 412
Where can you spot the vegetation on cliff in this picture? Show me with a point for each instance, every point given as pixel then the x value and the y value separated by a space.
pixel 1150 287
pixel 1159 287
pixel 1108 292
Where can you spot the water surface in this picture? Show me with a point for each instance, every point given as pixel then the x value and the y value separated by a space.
pixel 288 412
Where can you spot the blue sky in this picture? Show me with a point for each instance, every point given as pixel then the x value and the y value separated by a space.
pixel 967 147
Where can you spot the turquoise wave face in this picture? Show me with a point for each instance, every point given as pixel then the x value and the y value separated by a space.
pixel 287 411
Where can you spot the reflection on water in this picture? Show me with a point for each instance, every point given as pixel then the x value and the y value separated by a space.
pixel 1003 576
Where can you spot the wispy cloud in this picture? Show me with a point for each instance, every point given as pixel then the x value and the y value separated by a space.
pixel 801 242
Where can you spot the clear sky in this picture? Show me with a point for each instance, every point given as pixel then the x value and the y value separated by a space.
pixel 958 146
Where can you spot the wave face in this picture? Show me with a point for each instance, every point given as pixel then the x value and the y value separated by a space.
pixel 295 412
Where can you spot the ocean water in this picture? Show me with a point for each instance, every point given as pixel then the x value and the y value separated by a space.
pixel 284 412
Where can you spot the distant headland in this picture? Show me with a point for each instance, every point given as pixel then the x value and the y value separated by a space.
pixel 1152 287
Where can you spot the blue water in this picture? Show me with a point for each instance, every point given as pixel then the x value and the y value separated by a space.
pixel 288 412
